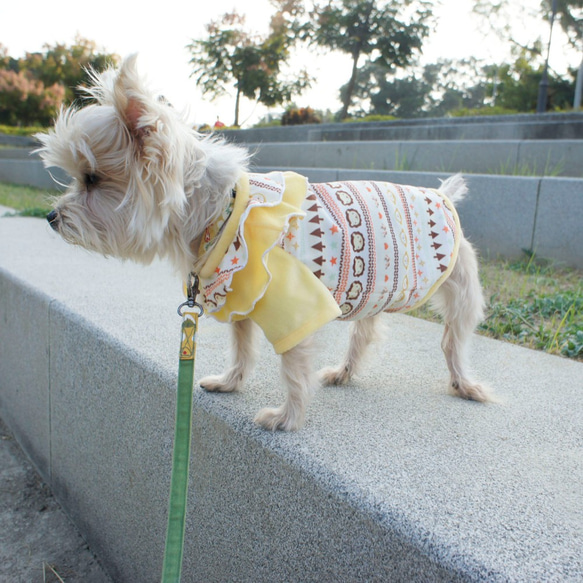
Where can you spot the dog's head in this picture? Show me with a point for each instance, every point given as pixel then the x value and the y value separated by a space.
pixel 125 154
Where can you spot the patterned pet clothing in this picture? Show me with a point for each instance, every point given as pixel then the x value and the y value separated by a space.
pixel 293 256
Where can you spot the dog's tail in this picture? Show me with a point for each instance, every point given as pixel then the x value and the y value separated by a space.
pixel 454 188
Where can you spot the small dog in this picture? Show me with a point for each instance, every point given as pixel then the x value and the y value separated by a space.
pixel 271 250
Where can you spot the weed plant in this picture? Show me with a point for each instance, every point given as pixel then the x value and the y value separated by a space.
pixel 533 303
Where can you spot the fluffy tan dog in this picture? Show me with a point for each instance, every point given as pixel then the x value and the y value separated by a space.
pixel 144 184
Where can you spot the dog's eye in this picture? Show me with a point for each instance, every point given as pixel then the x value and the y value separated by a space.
pixel 91 179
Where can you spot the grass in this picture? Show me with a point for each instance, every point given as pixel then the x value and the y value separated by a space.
pixel 532 303
pixel 529 302
pixel 26 200
pixel 20 131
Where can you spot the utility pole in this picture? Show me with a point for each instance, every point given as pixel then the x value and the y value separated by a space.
pixel 578 87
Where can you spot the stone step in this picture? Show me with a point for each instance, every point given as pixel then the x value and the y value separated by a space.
pixel 550 126
pixel 506 157
pixel 390 480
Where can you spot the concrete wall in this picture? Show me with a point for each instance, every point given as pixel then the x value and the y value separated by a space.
pixel 19 169
pixel 504 157
pixel 390 480
pixel 549 126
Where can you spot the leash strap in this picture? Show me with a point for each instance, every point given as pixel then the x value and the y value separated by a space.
pixel 174 548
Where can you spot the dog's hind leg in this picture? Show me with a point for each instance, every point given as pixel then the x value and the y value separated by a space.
pixel 362 334
pixel 244 357
pixel 299 380
pixel 461 303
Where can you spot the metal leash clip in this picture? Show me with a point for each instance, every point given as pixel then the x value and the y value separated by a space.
pixel 191 293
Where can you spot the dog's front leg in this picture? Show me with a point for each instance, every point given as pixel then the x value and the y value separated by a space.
pixel 299 380
pixel 244 356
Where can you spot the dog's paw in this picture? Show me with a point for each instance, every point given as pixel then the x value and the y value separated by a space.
pixel 471 391
pixel 334 376
pixel 279 418
pixel 219 384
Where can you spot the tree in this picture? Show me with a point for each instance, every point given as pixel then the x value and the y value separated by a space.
pixel 33 88
pixel 432 90
pixel 231 56
pixel 26 101
pixel 570 15
pixel 67 65
pixel 388 33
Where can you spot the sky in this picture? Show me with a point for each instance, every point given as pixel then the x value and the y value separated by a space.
pixel 160 33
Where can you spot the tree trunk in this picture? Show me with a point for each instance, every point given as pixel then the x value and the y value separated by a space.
pixel 237 101
pixel 350 88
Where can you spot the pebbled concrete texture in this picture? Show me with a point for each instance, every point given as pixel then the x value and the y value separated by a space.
pixel 391 479
pixel 38 542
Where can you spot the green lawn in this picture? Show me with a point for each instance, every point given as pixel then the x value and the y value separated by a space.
pixel 26 200
pixel 531 303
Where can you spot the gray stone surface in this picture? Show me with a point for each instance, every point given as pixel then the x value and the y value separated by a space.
pixel 391 479
pixel 502 130
pixel 24 337
pixel 39 544
pixel 559 220
pixel 506 157
pixel 30 172
pixel 549 126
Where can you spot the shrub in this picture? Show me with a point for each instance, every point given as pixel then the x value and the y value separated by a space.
pixel 298 116
pixel 494 110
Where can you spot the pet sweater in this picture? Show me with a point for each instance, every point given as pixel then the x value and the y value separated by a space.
pixel 293 256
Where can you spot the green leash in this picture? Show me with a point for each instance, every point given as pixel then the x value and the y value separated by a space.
pixel 173 552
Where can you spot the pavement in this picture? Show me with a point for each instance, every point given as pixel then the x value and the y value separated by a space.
pixel 391 479
pixel 38 542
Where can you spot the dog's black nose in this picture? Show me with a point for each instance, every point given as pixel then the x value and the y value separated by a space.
pixel 53 219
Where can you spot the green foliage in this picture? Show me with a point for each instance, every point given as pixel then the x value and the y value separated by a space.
pixel 482 111
pixel 533 303
pixel 388 34
pixel 550 322
pixel 370 118
pixel 298 116
pixel 232 56
pixel 25 100
pixel 26 199
pixel 33 88
pixel 20 130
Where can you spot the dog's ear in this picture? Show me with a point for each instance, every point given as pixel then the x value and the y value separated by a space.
pixel 132 100
pixel 150 123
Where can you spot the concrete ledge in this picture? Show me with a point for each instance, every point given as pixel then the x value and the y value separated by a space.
pixel 536 130
pixel 519 127
pixel 21 169
pixel 535 158
pixel 502 215
pixel 391 479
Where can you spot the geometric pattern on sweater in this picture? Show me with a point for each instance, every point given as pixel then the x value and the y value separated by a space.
pixel 376 246
pixel 293 256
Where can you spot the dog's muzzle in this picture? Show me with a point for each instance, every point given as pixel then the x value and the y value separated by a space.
pixel 53 219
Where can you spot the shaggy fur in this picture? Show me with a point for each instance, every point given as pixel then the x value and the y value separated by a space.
pixel 144 184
